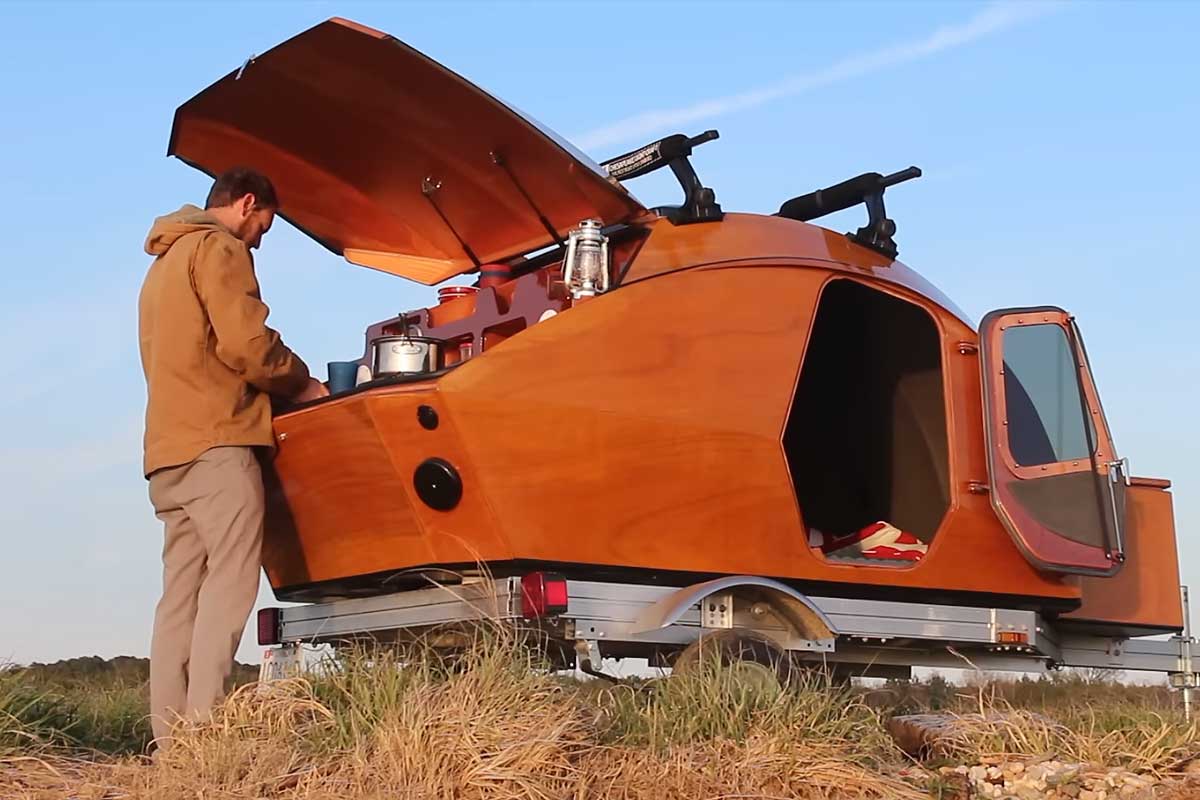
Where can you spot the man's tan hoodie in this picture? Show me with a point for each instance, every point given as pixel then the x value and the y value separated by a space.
pixel 210 360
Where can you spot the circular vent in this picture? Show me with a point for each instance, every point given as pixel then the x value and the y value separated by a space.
pixel 438 484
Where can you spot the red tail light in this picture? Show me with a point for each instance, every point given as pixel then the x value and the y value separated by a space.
pixel 543 594
pixel 268 627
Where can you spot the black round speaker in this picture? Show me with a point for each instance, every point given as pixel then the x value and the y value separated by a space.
pixel 428 417
pixel 438 484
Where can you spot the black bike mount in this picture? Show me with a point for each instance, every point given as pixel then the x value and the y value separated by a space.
pixel 867 189
pixel 699 202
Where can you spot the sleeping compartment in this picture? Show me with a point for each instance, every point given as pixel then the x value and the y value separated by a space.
pixel 866 438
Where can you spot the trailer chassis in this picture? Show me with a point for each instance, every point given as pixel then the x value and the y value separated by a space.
pixel 619 620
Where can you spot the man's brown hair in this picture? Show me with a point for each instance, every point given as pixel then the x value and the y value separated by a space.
pixel 238 182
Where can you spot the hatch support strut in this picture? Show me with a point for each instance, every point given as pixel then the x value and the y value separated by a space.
pixel 499 161
pixel 429 188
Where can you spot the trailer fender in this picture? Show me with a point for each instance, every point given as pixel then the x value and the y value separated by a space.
pixel 797 611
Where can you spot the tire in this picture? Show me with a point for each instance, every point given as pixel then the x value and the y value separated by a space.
pixel 751 655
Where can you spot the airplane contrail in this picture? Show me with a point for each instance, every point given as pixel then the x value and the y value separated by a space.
pixel 993 18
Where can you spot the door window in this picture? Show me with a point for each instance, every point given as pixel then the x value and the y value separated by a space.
pixel 1056 484
pixel 1047 419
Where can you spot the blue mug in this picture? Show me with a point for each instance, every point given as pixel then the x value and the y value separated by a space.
pixel 342 375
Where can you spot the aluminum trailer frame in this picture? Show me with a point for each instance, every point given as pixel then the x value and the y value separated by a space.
pixel 639 620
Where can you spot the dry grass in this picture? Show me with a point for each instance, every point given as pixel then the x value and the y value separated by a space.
pixel 491 725
pixel 766 765
pixel 1140 740
pixel 1074 717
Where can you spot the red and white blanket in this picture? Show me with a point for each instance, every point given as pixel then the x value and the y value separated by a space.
pixel 877 540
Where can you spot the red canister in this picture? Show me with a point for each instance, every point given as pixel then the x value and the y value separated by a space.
pixel 448 293
pixel 494 275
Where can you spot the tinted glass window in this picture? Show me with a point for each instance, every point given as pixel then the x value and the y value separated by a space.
pixel 1046 420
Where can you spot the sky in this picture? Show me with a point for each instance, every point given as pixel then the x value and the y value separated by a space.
pixel 1058 143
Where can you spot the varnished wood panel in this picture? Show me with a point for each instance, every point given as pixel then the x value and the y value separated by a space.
pixel 646 417
pixel 642 429
pixel 1145 592
pixel 467 533
pixel 612 435
pixel 342 498
pixel 341 509
pixel 757 240
pixel 358 123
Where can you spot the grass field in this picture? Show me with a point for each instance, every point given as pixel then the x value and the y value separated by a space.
pixel 491 724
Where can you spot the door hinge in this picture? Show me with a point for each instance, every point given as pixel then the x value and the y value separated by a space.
pixel 1118 480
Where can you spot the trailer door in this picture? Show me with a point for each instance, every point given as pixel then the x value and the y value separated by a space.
pixel 1056 483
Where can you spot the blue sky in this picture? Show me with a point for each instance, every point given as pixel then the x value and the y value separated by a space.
pixel 1058 143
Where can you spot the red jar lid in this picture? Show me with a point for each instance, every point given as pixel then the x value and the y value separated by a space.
pixel 448 293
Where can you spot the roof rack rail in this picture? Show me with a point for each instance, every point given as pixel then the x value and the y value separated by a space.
pixel 699 202
pixel 866 188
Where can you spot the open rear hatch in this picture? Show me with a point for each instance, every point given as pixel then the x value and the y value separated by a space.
pixel 392 160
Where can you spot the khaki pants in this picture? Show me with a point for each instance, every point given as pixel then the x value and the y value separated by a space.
pixel 212 511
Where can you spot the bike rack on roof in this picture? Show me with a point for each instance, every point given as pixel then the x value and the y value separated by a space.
pixel 866 188
pixel 699 202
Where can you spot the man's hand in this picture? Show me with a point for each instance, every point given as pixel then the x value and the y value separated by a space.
pixel 315 390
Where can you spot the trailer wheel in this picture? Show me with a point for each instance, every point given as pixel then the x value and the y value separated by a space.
pixel 751 656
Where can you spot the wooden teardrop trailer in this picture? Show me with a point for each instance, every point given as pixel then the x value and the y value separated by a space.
pixel 657 407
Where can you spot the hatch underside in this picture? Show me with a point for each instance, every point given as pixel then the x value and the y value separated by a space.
pixel 386 157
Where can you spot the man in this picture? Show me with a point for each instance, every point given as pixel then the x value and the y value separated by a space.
pixel 211 365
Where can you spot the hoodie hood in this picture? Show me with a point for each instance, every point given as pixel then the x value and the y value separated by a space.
pixel 168 229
